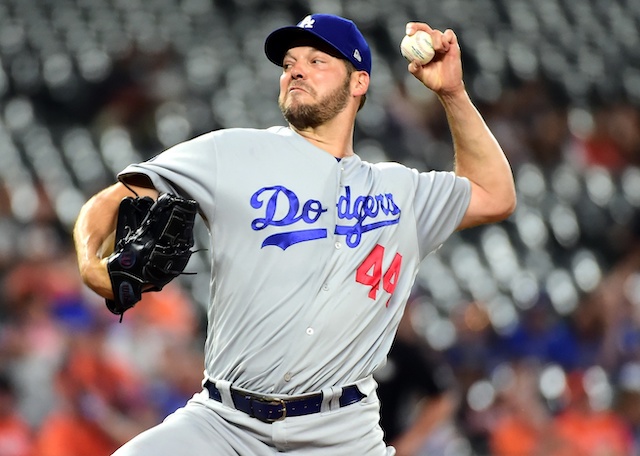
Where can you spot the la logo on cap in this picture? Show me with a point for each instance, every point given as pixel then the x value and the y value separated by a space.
pixel 307 22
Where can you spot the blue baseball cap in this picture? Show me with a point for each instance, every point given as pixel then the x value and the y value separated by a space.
pixel 339 33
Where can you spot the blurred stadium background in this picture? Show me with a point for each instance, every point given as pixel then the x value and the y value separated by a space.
pixel 89 86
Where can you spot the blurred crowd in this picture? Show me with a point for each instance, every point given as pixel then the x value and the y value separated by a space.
pixel 521 339
pixel 73 381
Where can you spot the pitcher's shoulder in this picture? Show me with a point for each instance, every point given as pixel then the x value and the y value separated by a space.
pixel 392 169
pixel 240 135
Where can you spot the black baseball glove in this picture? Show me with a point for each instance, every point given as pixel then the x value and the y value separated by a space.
pixel 152 247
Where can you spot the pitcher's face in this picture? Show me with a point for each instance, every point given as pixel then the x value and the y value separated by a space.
pixel 314 87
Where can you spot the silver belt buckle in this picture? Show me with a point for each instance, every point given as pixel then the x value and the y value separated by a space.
pixel 272 401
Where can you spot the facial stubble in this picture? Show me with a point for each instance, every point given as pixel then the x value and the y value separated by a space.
pixel 303 116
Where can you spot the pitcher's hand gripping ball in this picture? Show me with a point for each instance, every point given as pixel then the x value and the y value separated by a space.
pixel 153 247
pixel 417 47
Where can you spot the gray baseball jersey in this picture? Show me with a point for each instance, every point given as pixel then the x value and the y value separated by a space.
pixel 312 258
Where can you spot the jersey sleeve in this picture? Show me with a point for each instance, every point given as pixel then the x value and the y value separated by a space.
pixel 188 168
pixel 441 200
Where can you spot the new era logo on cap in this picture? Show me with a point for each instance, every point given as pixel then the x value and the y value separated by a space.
pixel 339 33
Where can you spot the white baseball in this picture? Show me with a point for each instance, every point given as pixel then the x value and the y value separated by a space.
pixel 417 47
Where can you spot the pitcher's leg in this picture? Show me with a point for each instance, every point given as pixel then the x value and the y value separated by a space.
pixel 193 430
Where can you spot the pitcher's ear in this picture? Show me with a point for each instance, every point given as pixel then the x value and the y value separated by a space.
pixel 360 82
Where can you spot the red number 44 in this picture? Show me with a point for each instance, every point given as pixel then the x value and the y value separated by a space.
pixel 370 272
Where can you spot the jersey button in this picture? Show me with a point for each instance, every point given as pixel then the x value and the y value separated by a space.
pixel 325 287
pixel 338 245
pixel 310 331
pixel 287 376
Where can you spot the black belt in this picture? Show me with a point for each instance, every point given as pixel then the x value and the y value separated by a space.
pixel 270 409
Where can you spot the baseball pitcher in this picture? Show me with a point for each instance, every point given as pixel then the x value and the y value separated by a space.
pixel 313 250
